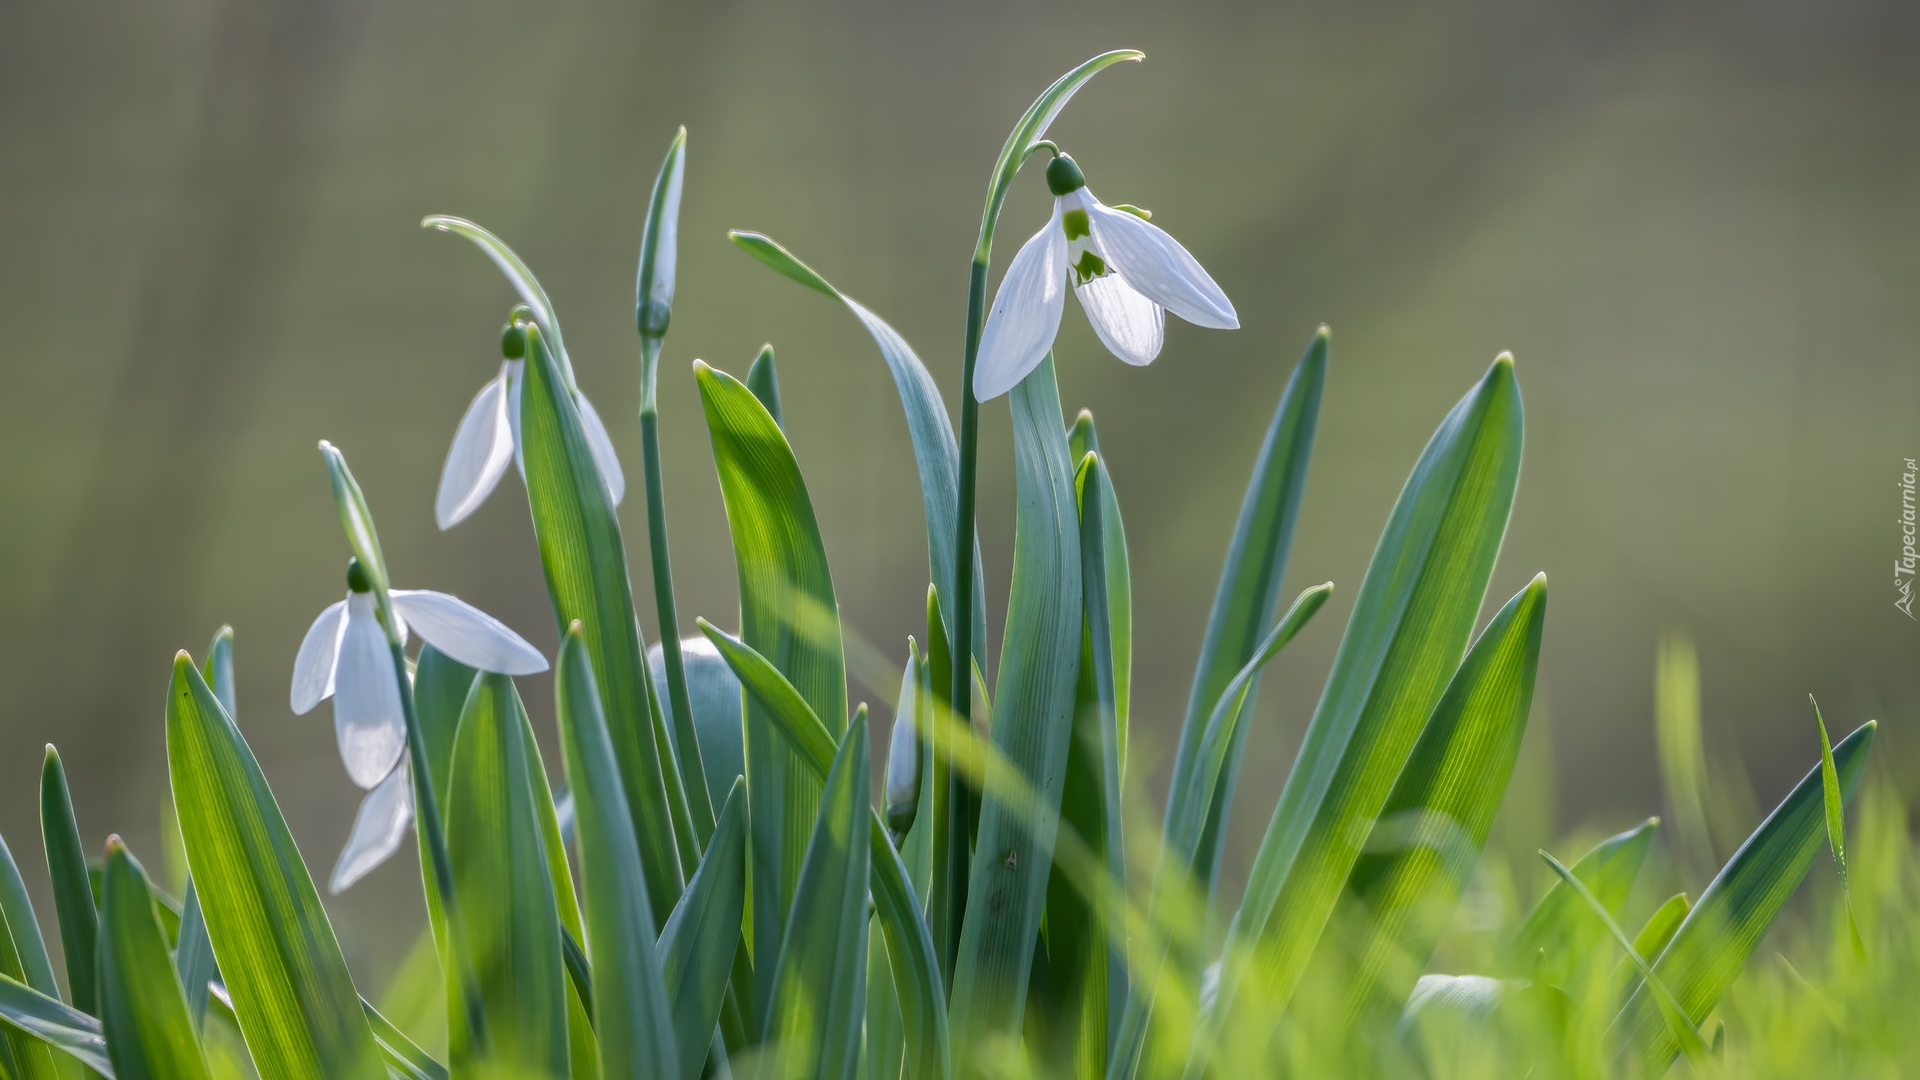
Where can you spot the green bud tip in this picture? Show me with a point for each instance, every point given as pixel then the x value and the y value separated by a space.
pixel 1064 176
pixel 513 341
pixel 357 576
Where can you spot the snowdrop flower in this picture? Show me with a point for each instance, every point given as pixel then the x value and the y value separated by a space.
pixel 489 436
pixel 346 656
pixel 1126 271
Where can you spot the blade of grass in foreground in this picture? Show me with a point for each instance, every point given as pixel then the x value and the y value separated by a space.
pixel 55 1023
pixel 916 972
pixel 633 1014
pixel 72 891
pixel 1734 912
pixel 292 996
pixel 510 917
pixel 1557 936
pixel 697 945
pixel 788 615
pixel 23 958
pixel 1836 825
pixel 819 984
pixel 143 1011
pixel 193 954
pixel 1411 621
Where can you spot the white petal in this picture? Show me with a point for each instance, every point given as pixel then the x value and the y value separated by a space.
pixel 466 633
pixel 378 830
pixel 602 447
pixel 313 664
pixel 482 445
pixel 1156 265
pixel 1130 325
pixel 1026 313
pixel 367 720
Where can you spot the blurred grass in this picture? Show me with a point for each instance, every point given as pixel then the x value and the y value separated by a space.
pixel 1693 227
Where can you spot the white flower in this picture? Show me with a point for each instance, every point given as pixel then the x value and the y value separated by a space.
pixel 346 656
pixel 489 436
pixel 1126 271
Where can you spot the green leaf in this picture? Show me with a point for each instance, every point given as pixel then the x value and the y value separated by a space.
pixel 819 996
pixel 509 915
pixel 440 688
pixel 193 953
pixel 401 1053
pixel 23 958
pixel 1117 571
pixel 1731 916
pixel 1430 833
pixel 916 971
pixel 292 996
pixel 1411 621
pixel 1032 726
pixel 1557 935
pixel 936 454
pixel 55 1023
pixel 1659 928
pixel 586 569
pixel 72 892
pixel 1683 758
pixel 1836 825
pixel 764 381
pixel 788 615
pixel 1249 589
pixel 517 275
pixel 633 1014
pixel 143 1011
pixel 1677 1023
pixel 698 944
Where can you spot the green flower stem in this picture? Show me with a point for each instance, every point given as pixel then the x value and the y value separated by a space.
pixel 959 691
pixel 426 811
pixel 687 749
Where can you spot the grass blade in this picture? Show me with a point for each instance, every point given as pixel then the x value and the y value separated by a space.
pixel 586 569
pixel 764 381
pixel 1556 936
pixel 1659 928
pixel 1117 571
pixel 916 971
pixel 1836 824
pixel 1032 726
pixel 819 996
pixel 788 615
pixel 292 996
pixel 1410 625
pixel 1249 589
pixel 72 890
pixel 1683 756
pixel 143 1011
pixel 1734 912
pixel 698 944
pixel 633 1015
pixel 55 1023
pixel 510 917
pixel 24 959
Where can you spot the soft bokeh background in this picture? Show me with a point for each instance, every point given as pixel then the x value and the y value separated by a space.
pixel 1693 224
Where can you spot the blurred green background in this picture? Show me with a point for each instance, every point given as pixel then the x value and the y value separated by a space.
pixel 1694 225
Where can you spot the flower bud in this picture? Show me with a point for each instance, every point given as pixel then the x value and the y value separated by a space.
pixel 1064 176
pixel 513 341
pixel 903 776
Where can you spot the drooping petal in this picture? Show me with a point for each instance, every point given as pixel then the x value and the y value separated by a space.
pixel 1158 267
pixel 1026 313
pixel 1130 325
pixel 466 633
pixel 313 664
pixel 482 446
pixel 378 830
pixel 367 720
pixel 602 446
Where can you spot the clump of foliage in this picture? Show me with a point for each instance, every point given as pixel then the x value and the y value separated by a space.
pixel 715 890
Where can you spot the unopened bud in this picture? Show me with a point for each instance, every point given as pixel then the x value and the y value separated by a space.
pixel 357 576
pixel 1064 176
pixel 903 776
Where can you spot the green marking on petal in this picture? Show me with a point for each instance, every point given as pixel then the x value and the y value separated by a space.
pixel 1076 224
pixel 1089 267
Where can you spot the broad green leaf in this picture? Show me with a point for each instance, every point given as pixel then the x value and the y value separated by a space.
pixel 440 688
pixel 1678 1025
pixel 586 569
pixel 143 1011
pixel 1728 921
pixel 1410 624
pixel 193 954
pixel 764 381
pixel 820 981
pixel 1430 833
pixel 72 891
pixel 1557 936
pixel 402 1054
pixel 697 945
pixel 55 1023
pixel 293 999
pixel 1249 589
pixel 23 958
pixel 1117 571
pixel 936 454
pixel 788 615
pixel 633 1015
pixel 509 915
pixel 715 696
pixel 1659 928
pixel 916 971
pixel 1032 726
pixel 1194 792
